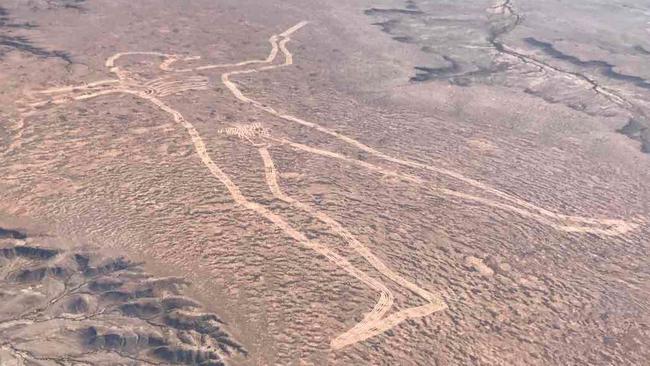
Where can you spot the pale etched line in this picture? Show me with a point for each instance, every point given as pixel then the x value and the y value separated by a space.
pixel 438 190
pixel 271 178
pixel 67 98
pixel 225 78
pixel 166 65
pixel 386 298
pixel 374 322
pixel 377 323
pixel 568 223
pixel 294 29
pixel 76 87
pixel 110 62
pixel 361 163
pixel 123 75
pixel 363 331
pixel 179 86
pixel 156 82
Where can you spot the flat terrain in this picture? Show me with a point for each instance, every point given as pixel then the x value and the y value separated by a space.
pixel 306 183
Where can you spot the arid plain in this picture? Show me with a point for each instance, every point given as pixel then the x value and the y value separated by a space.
pixel 324 183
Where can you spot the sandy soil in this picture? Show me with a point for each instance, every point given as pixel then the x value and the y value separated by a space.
pixel 371 182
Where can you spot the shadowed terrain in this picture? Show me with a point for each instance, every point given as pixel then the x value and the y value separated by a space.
pixel 81 307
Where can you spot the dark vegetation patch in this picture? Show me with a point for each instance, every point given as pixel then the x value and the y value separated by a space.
pixel 5 21
pixel 431 73
pixel 411 5
pixel 637 129
pixel 641 49
pixel 378 11
pixel 28 252
pixel 23 44
pixel 9 233
pixel 605 68
pixel 72 4
pixel 552 99
pixel 10 41
pixel 404 39
pixel 387 26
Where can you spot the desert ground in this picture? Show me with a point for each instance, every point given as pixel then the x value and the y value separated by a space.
pixel 298 182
